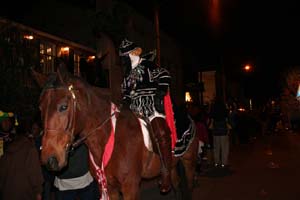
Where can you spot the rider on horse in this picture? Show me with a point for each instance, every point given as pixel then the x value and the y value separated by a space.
pixel 144 87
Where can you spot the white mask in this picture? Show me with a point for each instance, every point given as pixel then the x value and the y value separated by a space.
pixel 135 60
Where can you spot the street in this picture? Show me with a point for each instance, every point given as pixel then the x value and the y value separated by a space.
pixel 265 168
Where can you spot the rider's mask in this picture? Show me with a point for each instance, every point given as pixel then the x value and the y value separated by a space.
pixel 135 60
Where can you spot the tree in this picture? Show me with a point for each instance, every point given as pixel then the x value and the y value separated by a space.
pixel 290 106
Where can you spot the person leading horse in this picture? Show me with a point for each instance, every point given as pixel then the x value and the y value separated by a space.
pixel 144 87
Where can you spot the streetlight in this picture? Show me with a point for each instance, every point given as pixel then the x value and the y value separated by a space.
pixel 247 68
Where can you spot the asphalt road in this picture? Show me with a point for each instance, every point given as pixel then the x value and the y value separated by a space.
pixel 267 168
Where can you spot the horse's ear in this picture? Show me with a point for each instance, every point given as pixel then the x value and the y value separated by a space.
pixel 40 78
pixel 62 73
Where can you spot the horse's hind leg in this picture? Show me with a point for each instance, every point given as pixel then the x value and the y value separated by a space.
pixel 189 167
pixel 174 175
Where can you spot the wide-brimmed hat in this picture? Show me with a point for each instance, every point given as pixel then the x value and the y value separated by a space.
pixel 127 47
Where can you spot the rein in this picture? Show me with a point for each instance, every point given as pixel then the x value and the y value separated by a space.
pixel 82 139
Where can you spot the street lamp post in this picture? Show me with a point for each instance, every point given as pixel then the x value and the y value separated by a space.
pixel 248 69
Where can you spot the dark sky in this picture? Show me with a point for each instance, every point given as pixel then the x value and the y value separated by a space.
pixel 263 30
pixel 232 33
pixel 248 28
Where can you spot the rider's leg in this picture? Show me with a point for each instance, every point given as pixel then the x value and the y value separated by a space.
pixel 162 135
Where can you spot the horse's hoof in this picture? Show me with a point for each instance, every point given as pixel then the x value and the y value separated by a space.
pixel 164 189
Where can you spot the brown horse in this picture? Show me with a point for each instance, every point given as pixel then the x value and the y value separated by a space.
pixel 71 109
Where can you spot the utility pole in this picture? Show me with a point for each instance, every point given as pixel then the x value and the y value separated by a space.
pixel 157 34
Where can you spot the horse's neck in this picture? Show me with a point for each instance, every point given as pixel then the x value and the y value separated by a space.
pixel 98 125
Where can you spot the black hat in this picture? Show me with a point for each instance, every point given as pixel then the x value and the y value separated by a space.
pixel 127 46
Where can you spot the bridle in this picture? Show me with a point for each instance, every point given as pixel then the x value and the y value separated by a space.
pixel 70 128
pixel 71 124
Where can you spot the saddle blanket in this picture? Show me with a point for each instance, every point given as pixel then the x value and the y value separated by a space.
pixel 181 145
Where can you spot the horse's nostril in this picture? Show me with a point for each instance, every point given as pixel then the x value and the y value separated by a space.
pixel 52 163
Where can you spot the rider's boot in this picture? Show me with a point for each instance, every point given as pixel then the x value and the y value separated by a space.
pixel 163 139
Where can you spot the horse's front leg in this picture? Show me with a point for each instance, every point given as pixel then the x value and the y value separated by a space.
pixel 113 193
pixel 131 189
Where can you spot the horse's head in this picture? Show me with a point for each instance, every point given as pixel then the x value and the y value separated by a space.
pixel 59 106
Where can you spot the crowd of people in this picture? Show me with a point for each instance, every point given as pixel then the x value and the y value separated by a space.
pixel 214 125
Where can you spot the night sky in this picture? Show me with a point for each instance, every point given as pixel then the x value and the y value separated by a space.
pixel 233 33
pixel 255 29
pixel 230 33
pixel 220 30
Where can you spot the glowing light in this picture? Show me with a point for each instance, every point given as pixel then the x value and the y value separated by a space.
pixel 242 109
pixel 28 37
pixel 215 13
pixel 247 67
pixel 49 50
pixel 298 93
pixel 188 97
pixel 91 58
pixel 64 50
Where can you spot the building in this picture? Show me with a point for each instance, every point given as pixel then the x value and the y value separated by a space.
pixel 81 33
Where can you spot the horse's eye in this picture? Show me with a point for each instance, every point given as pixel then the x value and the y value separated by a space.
pixel 63 108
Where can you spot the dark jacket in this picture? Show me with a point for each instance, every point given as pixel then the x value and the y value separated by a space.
pixel 78 164
pixel 219 114
pixel 20 171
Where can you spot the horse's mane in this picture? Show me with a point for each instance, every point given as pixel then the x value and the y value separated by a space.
pixel 53 82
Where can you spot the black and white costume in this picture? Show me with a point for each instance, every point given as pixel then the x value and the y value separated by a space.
pixel 144 86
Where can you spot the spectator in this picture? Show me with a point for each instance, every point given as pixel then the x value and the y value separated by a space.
pixel 36 134
pixel 200 117
pixel 75 179
pixel 20 171
pixel 233 120
pixel 275 115
pixel 7 130
pixel 219 117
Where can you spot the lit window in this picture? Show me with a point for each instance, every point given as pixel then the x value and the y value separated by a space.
pixel 47 55
pixel 49 50
pixel 28 37
pixel 90 58
pixel 188 97
pixel 65 50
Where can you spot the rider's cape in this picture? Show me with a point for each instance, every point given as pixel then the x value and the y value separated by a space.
pixel 170 118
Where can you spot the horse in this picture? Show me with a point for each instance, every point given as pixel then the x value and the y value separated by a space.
pixel 74 112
